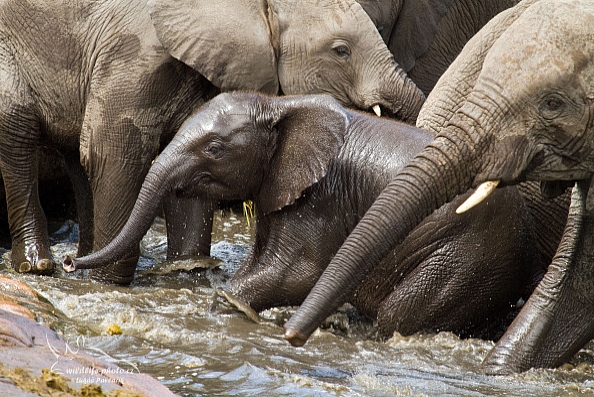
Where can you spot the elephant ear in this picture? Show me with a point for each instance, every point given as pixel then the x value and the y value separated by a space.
pixel 415 29
pixel 230 42
pixel 308 134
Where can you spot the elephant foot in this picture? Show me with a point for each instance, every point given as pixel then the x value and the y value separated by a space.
pixel 42 266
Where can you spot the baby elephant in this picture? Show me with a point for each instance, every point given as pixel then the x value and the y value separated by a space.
pixel 313 168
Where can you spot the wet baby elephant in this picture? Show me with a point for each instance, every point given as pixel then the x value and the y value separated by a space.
pixel 313 169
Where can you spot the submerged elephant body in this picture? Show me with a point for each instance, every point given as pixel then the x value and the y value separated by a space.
pixel 108 84
pixel 313 169
pixel 516 105
pixel 457 273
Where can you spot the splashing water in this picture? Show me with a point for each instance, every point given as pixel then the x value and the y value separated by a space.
pixel 175 327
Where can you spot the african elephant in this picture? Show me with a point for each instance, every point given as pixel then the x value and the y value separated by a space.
pixel 108 84
pixel 55 193
pixel 425 36
pixel 312 169
pixel 528 115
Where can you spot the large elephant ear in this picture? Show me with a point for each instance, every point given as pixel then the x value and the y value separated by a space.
pixel 227 41
pixel 415 29
pixel 309 132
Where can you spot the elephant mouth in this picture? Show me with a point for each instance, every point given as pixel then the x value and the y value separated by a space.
pixel 195 187
pixel 559 167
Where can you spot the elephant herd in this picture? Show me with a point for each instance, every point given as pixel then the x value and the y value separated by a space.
pixel 475 198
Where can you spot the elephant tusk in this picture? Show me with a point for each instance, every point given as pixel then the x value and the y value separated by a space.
pixel 481 193
pixel 377 110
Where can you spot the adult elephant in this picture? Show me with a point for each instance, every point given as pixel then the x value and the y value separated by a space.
pixel 528 114
pixel 55 192
pixel 425 36
pixel 313 169
pixel 108 83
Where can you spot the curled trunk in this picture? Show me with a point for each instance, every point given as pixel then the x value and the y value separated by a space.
pixel 146 208
pixel 393 91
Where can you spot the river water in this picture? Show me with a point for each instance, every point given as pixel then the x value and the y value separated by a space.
pixel 176 328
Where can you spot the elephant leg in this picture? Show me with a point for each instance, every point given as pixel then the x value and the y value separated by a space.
pixel 556 321
pixel 115 190
pixel 84 204
pixel 287 257
pixel 117 147
pixel 189 226
pixel 27 221
pixel 19 137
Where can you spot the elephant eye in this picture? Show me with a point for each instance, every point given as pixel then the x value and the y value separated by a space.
pixel 213 149
pixel 551 106
pixel 342 51
pixel 553 103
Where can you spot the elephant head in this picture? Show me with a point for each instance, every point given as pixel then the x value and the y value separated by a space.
pixel 525 111
pixel 290 47
pixel 240 146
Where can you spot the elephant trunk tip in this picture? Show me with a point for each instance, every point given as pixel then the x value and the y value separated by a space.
pixel 68 264
pixel 500 362
pixel 295 338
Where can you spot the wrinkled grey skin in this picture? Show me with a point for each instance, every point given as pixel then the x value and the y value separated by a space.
pixel 527 114
pixel 425 36
pixel 308 201
pixel 108 83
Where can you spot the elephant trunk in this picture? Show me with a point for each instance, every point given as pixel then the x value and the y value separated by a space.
pixel 555 323
pixel 393 91
pixel 414 99
pixel 156 185
pixel 444 169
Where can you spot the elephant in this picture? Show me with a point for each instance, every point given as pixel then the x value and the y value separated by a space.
pixel 526 116
pixel 313 168
pixel 425 36
pixel 109 83
pixel 55 193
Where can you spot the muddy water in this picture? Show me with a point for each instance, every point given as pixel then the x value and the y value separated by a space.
pixel 176 328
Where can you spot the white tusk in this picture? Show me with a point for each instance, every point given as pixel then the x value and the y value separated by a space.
pixel 377 110
pixel 481 193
